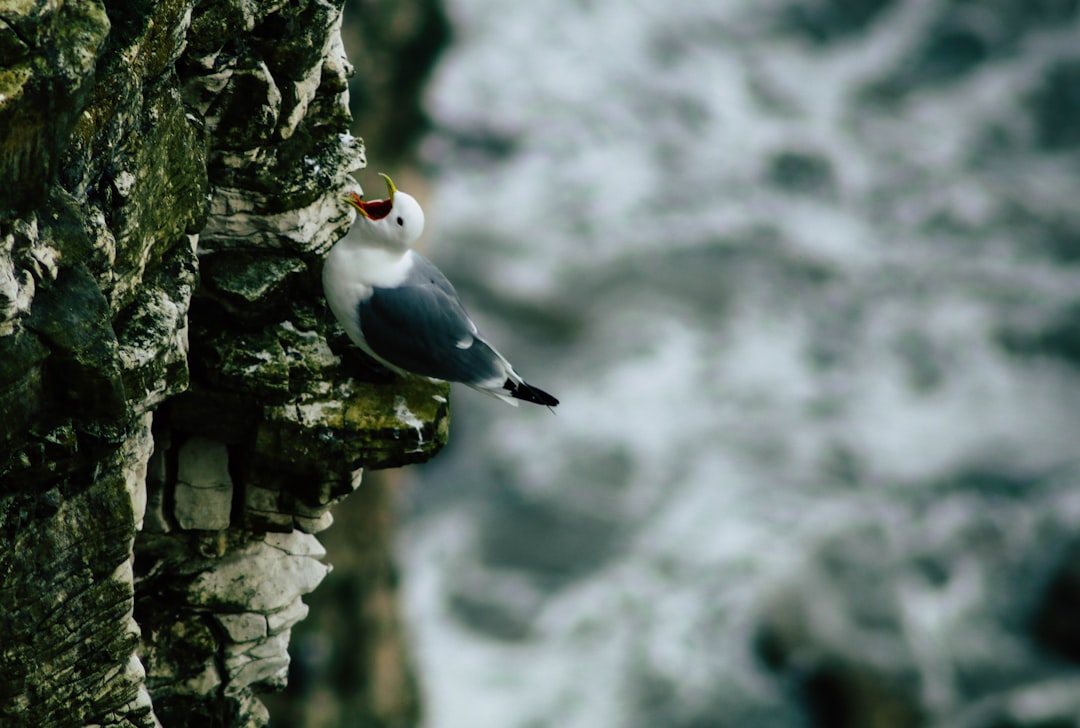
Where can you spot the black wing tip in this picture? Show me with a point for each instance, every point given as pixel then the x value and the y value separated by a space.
pixel 529 393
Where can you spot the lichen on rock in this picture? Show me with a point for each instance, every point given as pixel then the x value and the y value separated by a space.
pixel 178 417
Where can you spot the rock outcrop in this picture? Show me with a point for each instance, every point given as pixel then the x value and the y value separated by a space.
pixel 177 410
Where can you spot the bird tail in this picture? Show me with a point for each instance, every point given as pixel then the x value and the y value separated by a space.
pixel 511 391
pixel 528 393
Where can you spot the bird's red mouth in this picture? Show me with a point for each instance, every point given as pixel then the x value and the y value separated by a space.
pixel 376 209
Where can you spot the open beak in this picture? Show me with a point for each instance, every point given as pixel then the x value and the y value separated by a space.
pixel 376 209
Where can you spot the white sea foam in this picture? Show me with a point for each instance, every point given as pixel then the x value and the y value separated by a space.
pixel 749 366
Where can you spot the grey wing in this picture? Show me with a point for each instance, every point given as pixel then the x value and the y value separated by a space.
pixel 424 271
pixel 422 328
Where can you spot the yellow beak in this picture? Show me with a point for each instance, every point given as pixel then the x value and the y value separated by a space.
pixel 390 189
pixel 356 201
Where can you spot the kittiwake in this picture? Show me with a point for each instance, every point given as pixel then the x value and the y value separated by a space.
pixel 403 312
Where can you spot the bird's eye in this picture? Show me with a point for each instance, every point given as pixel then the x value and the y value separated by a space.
pixel 400 221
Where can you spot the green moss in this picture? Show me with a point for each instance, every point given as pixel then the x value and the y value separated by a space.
pixel 149 331
pixel 45 93
pixel 12 48
pixel 148 33
pixel 355 425
pixel 242 278
pixel 250 362
pixel 13 82
pixel 22 391
pixel 72 318
pixel 167 195
pixel 20 353
pixel 64 616
pixel 215 24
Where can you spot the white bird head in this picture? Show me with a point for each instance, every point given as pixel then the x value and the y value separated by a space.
pixel 396 222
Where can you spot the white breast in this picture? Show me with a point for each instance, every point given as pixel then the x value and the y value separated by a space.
pixel 349 274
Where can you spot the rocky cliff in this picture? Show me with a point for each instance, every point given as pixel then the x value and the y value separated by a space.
pixel 177 410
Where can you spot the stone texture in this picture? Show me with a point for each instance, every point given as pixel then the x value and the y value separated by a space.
pixel 66 600
pixel 44 92
pixel 176 399
pixel 203 490
pixel 221 586
pixel 243 627
pixel 348 667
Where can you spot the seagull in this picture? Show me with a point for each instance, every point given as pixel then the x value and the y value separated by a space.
pixel 403 312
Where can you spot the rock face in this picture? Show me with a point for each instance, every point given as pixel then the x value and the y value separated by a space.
pixel 177 410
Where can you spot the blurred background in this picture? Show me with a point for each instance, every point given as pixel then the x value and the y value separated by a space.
pixel 805 275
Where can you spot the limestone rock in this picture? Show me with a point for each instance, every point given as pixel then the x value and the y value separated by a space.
pixel 178 411
pixel 203 491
